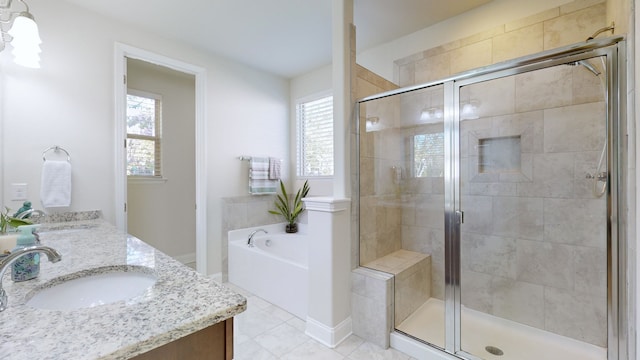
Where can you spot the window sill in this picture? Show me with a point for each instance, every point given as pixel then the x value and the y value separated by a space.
pixel 310 178
pixel 139 180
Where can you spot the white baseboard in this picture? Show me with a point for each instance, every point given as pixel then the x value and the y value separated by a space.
pixel 329 336
pixel 217 277
pixel 186 258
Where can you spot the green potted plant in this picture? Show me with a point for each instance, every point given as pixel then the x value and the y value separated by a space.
pixel 7 221
pixel 290 211
pixel 8 239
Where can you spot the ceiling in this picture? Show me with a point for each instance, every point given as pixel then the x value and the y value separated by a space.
pixel 283 37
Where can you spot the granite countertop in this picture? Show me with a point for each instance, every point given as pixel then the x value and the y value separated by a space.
pixel 181 302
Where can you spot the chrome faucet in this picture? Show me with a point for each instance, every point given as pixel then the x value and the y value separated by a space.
pixel 53 256
pixel 28 213
pixel 250 240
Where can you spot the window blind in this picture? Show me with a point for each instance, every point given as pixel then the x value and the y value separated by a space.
pixel 315 137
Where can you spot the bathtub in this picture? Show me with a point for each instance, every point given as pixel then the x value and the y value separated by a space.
pixel 275 268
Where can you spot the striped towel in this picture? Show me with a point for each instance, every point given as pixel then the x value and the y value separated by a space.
pixel 274 168
pixel 259 182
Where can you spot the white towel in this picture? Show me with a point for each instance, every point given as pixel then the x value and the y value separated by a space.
pixel 55 190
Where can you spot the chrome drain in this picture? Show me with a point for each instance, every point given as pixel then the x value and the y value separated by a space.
pixel 494 350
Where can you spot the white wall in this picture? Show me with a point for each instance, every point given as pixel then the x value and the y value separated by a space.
pixel 69 102
pixel 380 59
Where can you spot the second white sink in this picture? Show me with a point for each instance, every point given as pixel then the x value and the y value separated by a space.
pixel 99 287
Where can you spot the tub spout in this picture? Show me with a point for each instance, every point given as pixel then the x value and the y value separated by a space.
pixel 250 239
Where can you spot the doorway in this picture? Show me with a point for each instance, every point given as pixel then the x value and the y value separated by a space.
pixel 197 209
pixel 161 159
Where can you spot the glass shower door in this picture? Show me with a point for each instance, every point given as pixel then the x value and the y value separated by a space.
pixel 533 240
pixel 402 205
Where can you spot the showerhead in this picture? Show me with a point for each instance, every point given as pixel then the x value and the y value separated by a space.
pixel 587 65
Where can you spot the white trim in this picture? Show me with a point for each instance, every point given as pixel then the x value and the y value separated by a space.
pixel 329 336
pixel 144 94
pixel 315 96
pixel 326 204
pixel 217 277
pixel 186 258
pixel 122 52
pixel 135 180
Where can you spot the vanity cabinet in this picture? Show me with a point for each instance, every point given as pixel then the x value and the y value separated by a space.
pixel 212 343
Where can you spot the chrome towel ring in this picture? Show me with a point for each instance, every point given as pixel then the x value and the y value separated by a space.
pixel 55 148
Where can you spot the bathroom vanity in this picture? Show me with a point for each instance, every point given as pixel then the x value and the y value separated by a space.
pixel 181 315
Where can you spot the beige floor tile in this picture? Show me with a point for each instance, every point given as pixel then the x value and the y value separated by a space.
pixel 369 351
pixel 312 350
pixel 281 339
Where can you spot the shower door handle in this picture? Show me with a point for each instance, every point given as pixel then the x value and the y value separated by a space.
pixel 459 217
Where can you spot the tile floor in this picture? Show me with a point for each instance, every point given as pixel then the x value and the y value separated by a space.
pixel 266 332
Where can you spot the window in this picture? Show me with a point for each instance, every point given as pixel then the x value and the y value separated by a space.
pixel 428 155
pixel 144 112
pixel 315 137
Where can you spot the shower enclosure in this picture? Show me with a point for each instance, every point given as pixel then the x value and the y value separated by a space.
pixel 495 199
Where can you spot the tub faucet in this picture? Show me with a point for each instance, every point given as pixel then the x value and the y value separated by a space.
pixel 52 255
pixel 250 240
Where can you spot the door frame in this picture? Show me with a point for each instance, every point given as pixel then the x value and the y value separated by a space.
pixel 122 52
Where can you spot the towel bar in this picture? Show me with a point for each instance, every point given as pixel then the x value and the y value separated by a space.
pixel 55 148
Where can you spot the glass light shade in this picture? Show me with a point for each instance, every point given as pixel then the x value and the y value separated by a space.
pixel 24 30
pixel 25 41
pixel 27 56
pixel 30 61
pixel 469 111
pixel 431 115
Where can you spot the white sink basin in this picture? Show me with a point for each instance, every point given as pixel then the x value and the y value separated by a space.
pixel 93 288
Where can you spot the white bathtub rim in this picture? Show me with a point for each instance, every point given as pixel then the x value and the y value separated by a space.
pixel 240 243
pixel 271 228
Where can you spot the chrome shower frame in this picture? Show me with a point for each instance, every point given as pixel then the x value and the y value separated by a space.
pixel 618 305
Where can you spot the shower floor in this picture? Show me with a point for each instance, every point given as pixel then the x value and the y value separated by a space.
pixel 480 330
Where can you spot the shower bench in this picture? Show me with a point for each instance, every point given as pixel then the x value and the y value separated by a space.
pixel 376 308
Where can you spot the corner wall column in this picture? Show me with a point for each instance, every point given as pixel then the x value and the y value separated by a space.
pixel 329 314
pixel 342 20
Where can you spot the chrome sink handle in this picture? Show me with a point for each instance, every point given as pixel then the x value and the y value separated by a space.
pixel 53 256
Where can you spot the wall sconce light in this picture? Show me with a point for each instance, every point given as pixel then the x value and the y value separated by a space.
pixel 469 110
pixel 23 35
pixel 371 123
pixel 431 115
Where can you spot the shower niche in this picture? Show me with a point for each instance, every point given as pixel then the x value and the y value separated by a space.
pixel 498 155
pixel 494 238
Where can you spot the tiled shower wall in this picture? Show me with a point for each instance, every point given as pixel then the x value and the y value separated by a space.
pixel 534 237
pixel 564 25
pixel 366 249
pixel 533 251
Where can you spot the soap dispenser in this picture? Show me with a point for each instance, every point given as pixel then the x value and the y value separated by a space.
pixel 26 267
